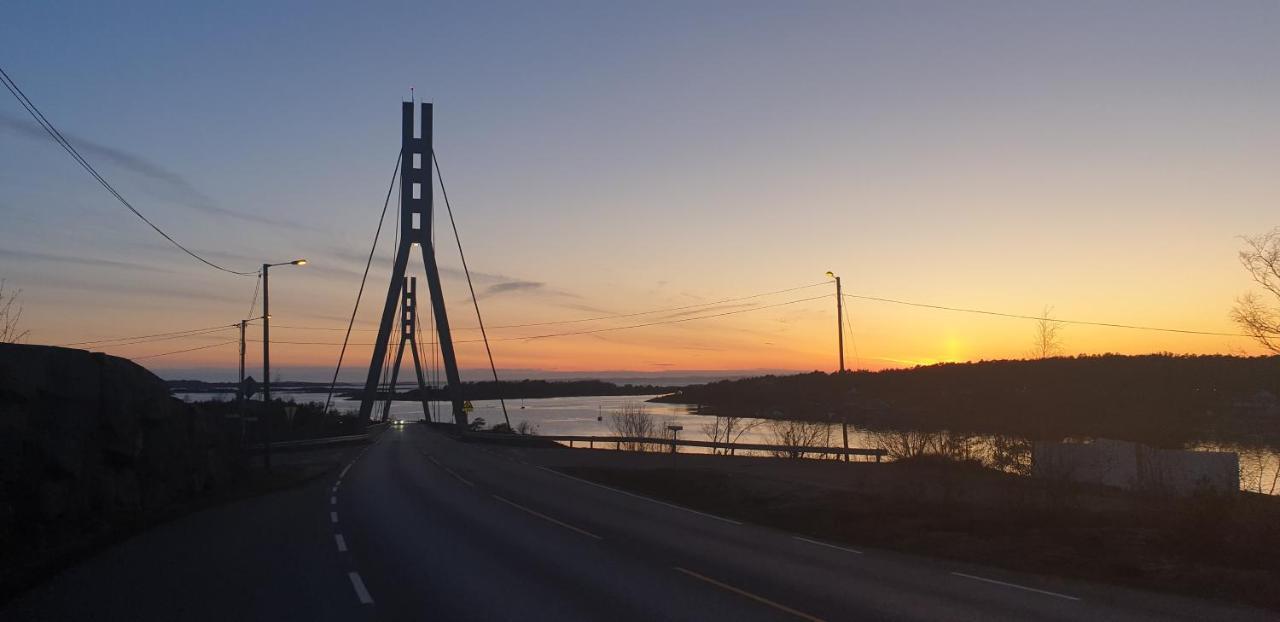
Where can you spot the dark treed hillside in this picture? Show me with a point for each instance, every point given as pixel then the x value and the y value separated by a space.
pixel 1159 399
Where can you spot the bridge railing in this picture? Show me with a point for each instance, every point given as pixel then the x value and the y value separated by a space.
pixel 619 442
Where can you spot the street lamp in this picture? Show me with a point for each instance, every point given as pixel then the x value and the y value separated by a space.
pixel 266 357
pixel 266 324
pixel 839 316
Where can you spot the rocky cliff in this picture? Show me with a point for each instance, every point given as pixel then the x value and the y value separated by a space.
pixel 89 440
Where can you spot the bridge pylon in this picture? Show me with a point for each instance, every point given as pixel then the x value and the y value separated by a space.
pixel 416 201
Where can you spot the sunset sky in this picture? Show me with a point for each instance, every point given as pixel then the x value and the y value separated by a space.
pixel 1098 157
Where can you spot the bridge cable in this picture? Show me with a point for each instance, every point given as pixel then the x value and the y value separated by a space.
pixel 387 201
pixel 66 145
pixel 475 301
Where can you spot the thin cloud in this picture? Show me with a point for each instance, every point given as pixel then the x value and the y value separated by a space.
pixel 79 261
pixel 512 286
pixel 176 187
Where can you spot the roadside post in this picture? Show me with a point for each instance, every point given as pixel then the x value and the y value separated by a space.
pixel 844 430
pixel 675 433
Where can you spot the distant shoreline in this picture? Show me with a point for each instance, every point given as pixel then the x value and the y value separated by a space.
pixel 525 389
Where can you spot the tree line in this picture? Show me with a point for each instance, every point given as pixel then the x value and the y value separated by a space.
pixel 1161 399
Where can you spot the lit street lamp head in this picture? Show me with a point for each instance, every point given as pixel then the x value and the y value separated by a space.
pixel 830 274
pixel 296 262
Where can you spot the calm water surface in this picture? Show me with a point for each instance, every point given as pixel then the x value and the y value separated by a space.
pixel 589 416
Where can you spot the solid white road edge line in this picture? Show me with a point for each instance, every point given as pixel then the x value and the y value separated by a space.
pixel 740 592
pixel 632 494
pixel 830 546
pixel 547 518
pixel 458 477
pixel 1015 586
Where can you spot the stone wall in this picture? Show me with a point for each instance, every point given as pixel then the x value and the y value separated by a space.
pixel 88 439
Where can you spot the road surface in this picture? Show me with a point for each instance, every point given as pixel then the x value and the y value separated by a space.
pixel 420 527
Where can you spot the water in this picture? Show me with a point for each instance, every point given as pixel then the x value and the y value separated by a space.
pixel 577 416
pixel 590 416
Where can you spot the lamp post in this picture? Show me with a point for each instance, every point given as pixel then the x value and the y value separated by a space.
pixel 840 319
pixel 266 357
pixel 266 325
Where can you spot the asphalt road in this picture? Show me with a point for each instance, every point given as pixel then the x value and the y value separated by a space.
pixel 421 527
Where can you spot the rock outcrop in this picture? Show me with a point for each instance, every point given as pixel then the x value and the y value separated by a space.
pixel 88 440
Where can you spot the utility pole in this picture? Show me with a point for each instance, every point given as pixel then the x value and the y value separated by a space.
pixel 240 384
pixel 266 335
pixel 266 325
pixel 264 417
pixel 839 318
pixel 265 421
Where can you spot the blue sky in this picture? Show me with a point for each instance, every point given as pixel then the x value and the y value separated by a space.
pixel 1099 157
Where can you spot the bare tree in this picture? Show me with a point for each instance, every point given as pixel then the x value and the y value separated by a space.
pixel 10 313
pixel 1047 342
pixel 796 436
pixel 633 421
pixel 1256 316
pixel 729 430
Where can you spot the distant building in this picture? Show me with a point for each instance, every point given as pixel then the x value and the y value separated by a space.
pixel 1137 467
pixel 1261 404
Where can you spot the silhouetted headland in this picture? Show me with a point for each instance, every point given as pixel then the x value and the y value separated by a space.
pixel 1159 399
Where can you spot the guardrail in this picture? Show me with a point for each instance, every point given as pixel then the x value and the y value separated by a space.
pixel 619 441
pixel 367 436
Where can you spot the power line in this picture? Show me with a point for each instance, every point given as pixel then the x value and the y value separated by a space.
pixel 667 310
pixel 62 141
pixel 151 356
pixel 592 331
pixel 173 335
pixel 661 322
pixel 588 319
pixel 1032 317
pixel 253 303
pixel 207 333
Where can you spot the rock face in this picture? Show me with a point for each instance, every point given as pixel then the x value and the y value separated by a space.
pixel 87 440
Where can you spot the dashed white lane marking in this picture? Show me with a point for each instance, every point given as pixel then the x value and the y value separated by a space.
pixel 341 542
pixel 1015 586
pixel 345 469
pixel 759 599
pixel 361 592
pixel 333 517
pixel 547 518
pixel 333 501
pixel 631 494
pixel 830 546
